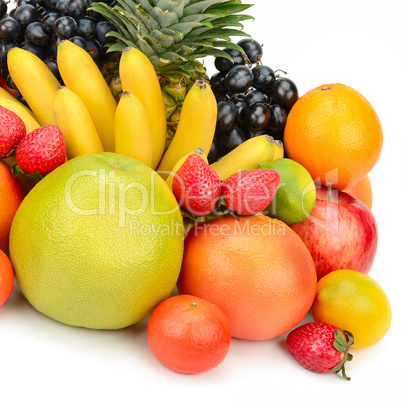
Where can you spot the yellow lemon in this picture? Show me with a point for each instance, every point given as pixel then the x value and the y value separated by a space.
pixel 353 301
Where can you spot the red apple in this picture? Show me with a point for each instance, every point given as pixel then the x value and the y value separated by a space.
pixel 340 233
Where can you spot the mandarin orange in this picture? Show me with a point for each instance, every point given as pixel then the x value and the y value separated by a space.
pixel 188 334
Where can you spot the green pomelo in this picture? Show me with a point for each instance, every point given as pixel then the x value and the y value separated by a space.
pixel 98 243
pixel 295 196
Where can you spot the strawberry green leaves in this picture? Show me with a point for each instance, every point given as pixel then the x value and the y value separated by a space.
pixel 341 344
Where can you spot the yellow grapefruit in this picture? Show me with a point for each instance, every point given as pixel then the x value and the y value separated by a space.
pixel 98 242
pixel 256 269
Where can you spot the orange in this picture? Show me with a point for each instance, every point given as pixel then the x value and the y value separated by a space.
pixel 334 132
pixel 353 301
pixel 188 334
pixel 362 191
pixel 11 195
pixel 6 277
pixel 256 269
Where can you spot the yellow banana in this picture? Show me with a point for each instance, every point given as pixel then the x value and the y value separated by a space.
pixel 81 74
pixel 6 94
pixel 247 155
pixel 279 151
pixel 196 127
pixel 132 130
pixel 138 76
pixel 35 81
pixel 22 111
pixel 197 151
pixel 75 123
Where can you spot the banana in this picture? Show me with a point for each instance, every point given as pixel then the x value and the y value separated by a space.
pixel 35 81
pixel 82 76
pixel 75 123
pixel 132 129
pixel 5 94
pixel 196 127
pixel 22 111
pixel 247 155
pixel 198 151
pixel 138 76
pixel 279 151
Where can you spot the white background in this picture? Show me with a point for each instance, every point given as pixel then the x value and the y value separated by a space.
pixel 357 43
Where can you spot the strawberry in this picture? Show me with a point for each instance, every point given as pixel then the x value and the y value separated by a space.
pixel 249 191
pixel 41 151
pixel 196 186
pixel 12 131
pixel 320 347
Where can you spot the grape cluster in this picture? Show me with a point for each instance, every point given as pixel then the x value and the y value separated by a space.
pixel 38 26
pixel 252 99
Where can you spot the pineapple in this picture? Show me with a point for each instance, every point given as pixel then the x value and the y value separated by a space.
pixel 173 34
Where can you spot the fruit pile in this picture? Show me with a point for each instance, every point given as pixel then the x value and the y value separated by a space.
pixel 150 176
pixel 252 100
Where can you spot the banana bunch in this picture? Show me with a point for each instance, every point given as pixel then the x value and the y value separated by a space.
pixel 134 127
pixel 83 109
pixel 91 120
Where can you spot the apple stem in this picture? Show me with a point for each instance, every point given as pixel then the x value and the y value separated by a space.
pixel 329 189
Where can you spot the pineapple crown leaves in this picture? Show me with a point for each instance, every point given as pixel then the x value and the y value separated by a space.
pixel 174 34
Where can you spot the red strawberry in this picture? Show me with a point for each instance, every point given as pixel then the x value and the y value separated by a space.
pixel 250 191
pixel 320 347
pixel 12 131
pixel 42 150
pixel 196 186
